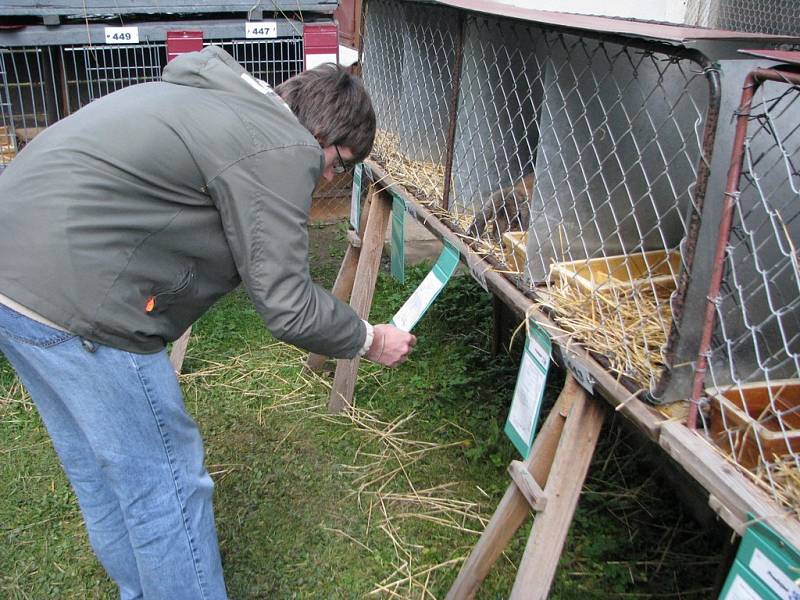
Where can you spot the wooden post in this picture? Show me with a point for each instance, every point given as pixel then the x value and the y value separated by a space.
pixel 343 286
pixel 550 528
pixel 178 352
pixel 369 262
pixel 572 426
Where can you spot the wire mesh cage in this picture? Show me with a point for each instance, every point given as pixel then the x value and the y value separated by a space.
pixel 780 17
pixel 90 72
pixel 41 84
pixel 28 79
pixel 751 356
pixel 408 66
pixel 576 163
pixel 331 199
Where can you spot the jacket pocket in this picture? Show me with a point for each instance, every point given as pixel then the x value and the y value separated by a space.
pixel 161 300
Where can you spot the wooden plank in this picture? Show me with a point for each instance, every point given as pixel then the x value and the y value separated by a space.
pixel 527 485
pixel 343 286
pixel 727 486
pixel 550 528
pixel 514 508
pixel 344 380
pixel 178 352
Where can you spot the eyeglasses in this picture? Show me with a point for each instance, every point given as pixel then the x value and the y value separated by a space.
pixel 342 167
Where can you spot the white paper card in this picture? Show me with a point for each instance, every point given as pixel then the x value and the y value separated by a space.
pixel 122 35
pixel 418 302
pixel 739 590
pixel 527 395
pixel 539 352
pixel 773 577
pixel 259 30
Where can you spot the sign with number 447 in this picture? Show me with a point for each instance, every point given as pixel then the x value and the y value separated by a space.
pixel 260 30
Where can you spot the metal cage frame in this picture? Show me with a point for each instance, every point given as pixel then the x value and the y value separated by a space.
pixel 436 45
pixel 750 348
pixel 46 74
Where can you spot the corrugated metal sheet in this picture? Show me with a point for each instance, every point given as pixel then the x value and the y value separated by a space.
pixel 82 8
pixel 639 29
pixel 782 56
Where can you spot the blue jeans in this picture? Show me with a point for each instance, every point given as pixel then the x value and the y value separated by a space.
pixel 132 454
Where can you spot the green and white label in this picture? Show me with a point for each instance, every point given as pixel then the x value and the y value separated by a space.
pixel 420 301
pixel 529 391
pixel 355 198
pixel 775 579
pixel 740 590
pixel 398 266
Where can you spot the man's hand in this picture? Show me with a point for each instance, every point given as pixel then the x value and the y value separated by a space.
pixel 390 346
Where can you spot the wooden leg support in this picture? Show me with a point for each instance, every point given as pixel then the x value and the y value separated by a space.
pixel 178 352
pixel 342 289
pixel 343 286
pixel 366 276
pixel 556 469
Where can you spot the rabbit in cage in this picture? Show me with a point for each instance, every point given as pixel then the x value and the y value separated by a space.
pixel 507 209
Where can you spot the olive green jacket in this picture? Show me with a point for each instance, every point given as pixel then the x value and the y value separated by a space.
pixel 125 221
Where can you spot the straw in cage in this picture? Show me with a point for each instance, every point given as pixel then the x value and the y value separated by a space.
pixel 786 480
pixel 618 307
pixel 421 177
pixel 757 427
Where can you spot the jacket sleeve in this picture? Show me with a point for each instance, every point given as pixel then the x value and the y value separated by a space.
pixel 264 201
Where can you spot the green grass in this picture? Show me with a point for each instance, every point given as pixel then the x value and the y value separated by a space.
pixel 288 521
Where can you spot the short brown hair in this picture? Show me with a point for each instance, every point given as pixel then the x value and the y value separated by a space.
pixel 334 106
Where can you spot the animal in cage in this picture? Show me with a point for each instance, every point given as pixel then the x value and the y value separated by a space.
pixel 13 140
pixel 25 135
pixel 507 209
pixel 8 145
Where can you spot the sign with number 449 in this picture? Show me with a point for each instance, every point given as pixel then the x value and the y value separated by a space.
pixel 122 35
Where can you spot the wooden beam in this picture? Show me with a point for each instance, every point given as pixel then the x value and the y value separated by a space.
pixel 342 289
pixel 514 508
pixel 178 352
pixel 344 380
pixel 732 494
pixel 527 485
pixel 550 528
pixel 343 286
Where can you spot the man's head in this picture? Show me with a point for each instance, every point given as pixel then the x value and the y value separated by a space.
pixel 334 106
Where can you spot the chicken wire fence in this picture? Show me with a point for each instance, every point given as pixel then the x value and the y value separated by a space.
pixel 779 17
pixel 749 369
pixel 576 163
